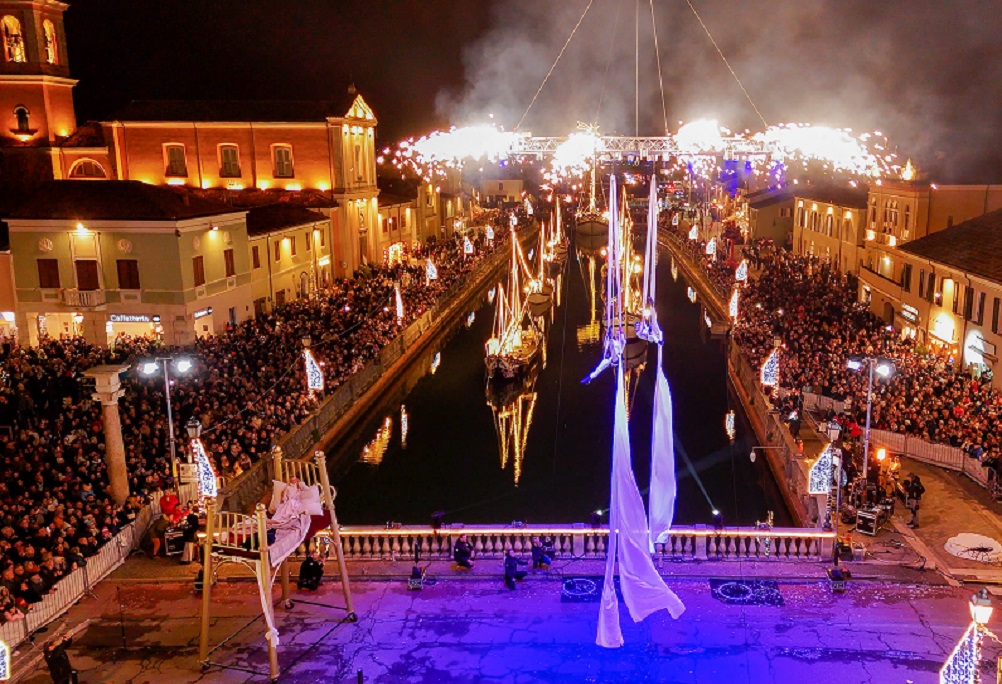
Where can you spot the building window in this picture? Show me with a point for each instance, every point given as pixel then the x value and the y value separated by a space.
pixel 198 267
pixel 323 238
pixel 931 292
pixel 283 161
pixel 229 161
pixel 128 274
pixel 995 315
pixel 48 274
pixel 968 302
pixel 13 41
pixel 231 269
pixel 829 223
pixel 175 162
pixel 908 218
pixel 921 290
pixel 979 310
pixel 87 278
pixel 278 251
pixel 23 123
pixel 49 32
pixel 906 277
pixel 358 162
pixel 309 241
pixel 847 230
pixel 292 245
pixel 956 297
pixel 87 168
pixel 256 256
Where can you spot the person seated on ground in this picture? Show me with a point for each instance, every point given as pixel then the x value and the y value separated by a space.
pixel 463 553
pixel 540 559
pixel 511 572
pixel 311 572
pixel 58 660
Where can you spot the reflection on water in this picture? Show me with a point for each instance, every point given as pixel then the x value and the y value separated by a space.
pixel 589 333
pixel 513 405
pixel 404 426
pixel 436 361
pixel 470 318
pixel 674 270
pixel 729 426
pixel 692 294
pixel 373 452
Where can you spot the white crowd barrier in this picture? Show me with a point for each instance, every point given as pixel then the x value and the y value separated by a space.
pixel 77 584
pixel 942 455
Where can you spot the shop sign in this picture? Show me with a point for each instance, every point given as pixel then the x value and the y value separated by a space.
pixel 909 313
pixel 132 318
pixel 202 313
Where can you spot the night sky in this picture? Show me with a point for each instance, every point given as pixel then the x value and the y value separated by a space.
pixel 924 72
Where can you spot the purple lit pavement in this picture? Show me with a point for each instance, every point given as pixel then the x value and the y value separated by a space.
pixel 471 629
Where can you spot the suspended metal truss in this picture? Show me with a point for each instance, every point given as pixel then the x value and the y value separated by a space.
pixel 633 146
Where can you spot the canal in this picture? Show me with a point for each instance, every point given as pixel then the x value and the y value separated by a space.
pixel 433 443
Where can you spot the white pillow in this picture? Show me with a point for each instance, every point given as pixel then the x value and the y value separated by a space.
pixel 277 488
pixel 310 498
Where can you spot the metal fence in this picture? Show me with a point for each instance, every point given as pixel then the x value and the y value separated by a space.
pixel 79 583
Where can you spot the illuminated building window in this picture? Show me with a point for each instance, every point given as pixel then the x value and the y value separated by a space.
pixel 23 123
pixel 175 161
pixel 229 161
pixel 49 34
pixel 282 156
pixel 13 40
pixel 87 168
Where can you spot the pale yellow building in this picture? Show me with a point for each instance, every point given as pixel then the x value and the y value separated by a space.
pixel 945 291
pixel 828 224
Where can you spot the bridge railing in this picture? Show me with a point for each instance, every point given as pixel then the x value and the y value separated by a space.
pixel 684 543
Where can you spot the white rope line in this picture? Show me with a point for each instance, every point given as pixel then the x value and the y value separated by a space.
pixel 608 63
pixel 554 65
pixel 727 64
pixel 661 83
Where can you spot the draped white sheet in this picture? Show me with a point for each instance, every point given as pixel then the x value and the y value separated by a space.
pixel 644 590
pixel 663 484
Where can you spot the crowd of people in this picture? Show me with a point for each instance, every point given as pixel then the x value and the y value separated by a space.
pixel 247 387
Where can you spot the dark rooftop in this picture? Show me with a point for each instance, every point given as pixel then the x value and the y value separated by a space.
pixel 292 111
pixel 115 200
pixel 262 220
pixel 253 197
pixel 767 199
pixel 387 198
pixel 89 134
pixel 840 196
pixel 973 246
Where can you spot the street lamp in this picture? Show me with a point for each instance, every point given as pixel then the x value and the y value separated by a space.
pixel 751 455
pixel 885 369
pixel 981 608
pixel 182 365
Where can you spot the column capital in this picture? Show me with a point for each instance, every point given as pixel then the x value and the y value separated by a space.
pixel 107 383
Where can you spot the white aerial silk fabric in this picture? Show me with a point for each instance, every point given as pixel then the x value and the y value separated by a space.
pixel 663 483
pixel 644 591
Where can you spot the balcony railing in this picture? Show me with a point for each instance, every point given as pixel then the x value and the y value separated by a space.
pixel 699 542
pixel 84 298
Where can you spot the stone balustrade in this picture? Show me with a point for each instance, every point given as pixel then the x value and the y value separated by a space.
pixel 699 542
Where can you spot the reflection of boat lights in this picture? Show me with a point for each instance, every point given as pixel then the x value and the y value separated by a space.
pixel 490 295
pixel 674 270
pixel 706 319
pixel 373 452
pixel 692 294
pixel 469 319
pixel 404 426
pixel 436 360
pixel 729 425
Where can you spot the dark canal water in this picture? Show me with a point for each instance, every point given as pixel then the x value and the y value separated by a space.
pixel 446 455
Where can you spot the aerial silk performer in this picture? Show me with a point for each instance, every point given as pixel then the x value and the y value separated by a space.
pixel 644 590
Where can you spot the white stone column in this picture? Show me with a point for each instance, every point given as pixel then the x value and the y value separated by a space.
pixel 108 390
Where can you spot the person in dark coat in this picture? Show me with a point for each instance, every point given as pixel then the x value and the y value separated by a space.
pixel 540 557
pixel 914 500
pixel 463 553
pixel 511 572
pixel 58 661
pixel 311 572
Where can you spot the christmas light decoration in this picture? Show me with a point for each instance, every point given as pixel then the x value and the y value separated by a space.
pixel 514 220
pixel 467 246
pixel 711 247
pixel 729 425
pixel 431 273
pixel 4 662
pixel 314 374
pixel 694 233
pixel 490 232
pixel 732 307
pixel 400 305
pixel 207 486
pixel 962 665
pixel 741 273
pixel 819 479
pixel 769 375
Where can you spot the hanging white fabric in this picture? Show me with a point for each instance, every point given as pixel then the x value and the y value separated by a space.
pixel 644 590
pixel 663 483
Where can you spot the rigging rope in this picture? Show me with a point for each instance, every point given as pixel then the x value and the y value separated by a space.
pixel 727 64
pixel 657 54
pixel 554 65
pixel 608 62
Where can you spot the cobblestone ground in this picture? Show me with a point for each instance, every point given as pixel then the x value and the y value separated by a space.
pixel 471 629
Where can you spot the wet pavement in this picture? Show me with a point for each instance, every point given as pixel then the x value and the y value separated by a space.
pixel 463 628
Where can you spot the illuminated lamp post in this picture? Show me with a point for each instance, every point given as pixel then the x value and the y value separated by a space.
pixel 182 366
pixel 207 485
pixel 875 366
pixel 962 666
